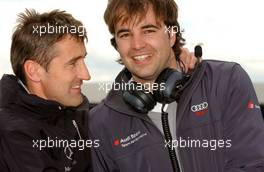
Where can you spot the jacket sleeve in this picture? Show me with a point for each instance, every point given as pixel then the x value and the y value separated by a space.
pixel 18 153
pixel 243 125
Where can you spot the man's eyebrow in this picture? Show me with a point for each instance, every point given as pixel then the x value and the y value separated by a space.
pixel 121 31
pixel 74 59
pixel 149 26
pixel 143 27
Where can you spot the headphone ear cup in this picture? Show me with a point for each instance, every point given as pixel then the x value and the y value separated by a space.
pixel 161 80
pixel 147 98
pixel 134 102
pixel 172 81
pixel 141 101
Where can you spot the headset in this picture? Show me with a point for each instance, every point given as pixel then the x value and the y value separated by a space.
pixel 143 101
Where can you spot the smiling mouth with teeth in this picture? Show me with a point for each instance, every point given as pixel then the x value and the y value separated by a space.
pixel 77 86
pixel 141 58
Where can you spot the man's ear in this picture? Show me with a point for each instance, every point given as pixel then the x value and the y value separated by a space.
pixel 172 38
pixel 32 70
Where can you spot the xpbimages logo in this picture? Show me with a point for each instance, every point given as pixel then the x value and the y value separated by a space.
pixel 58 29
pixel 60 143
pixel 129 86
pixel 211 144
pixel 173 30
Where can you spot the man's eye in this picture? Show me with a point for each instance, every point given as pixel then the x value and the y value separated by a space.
pixel 149 31
pixel 72 64
pixel 124 35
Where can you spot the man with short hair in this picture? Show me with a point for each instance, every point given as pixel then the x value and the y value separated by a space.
pixel 43 113
pixel 209 120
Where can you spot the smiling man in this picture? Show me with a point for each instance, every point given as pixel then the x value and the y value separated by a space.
pixel 42 116
pixel 145 59
pixel 206 120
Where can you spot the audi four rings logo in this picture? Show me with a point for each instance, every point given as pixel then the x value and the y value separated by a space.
pixel 199 107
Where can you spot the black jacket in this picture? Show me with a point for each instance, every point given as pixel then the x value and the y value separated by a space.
pixel 218 121
pixel 31 129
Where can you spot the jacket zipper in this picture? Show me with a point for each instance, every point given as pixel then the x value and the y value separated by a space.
pixel 77 129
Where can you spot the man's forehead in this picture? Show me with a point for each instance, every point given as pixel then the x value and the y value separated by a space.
pixel 58 49
pixel 140 18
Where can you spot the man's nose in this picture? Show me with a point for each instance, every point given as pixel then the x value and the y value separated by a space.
pixel 83 73
pixel 138 42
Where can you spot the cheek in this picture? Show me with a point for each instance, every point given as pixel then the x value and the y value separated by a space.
pixel 55 83
pixel 59 82
pixel 164 39
pixel 124 55
pixel 64 76
pixel 123 47
pixel 164 46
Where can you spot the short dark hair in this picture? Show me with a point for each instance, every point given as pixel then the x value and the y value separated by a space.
pixel 28 45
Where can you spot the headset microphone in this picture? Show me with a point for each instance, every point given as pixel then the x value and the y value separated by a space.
pixel 198 52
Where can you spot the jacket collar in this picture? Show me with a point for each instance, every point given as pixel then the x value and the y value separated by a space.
pixel 14 96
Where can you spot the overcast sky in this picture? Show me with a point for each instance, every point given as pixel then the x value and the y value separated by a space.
pixel 230 30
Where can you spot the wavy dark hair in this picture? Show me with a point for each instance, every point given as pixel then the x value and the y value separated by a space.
pixel 164 10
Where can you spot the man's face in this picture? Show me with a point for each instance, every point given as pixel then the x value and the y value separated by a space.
pixel 66 71
pixel 145 47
